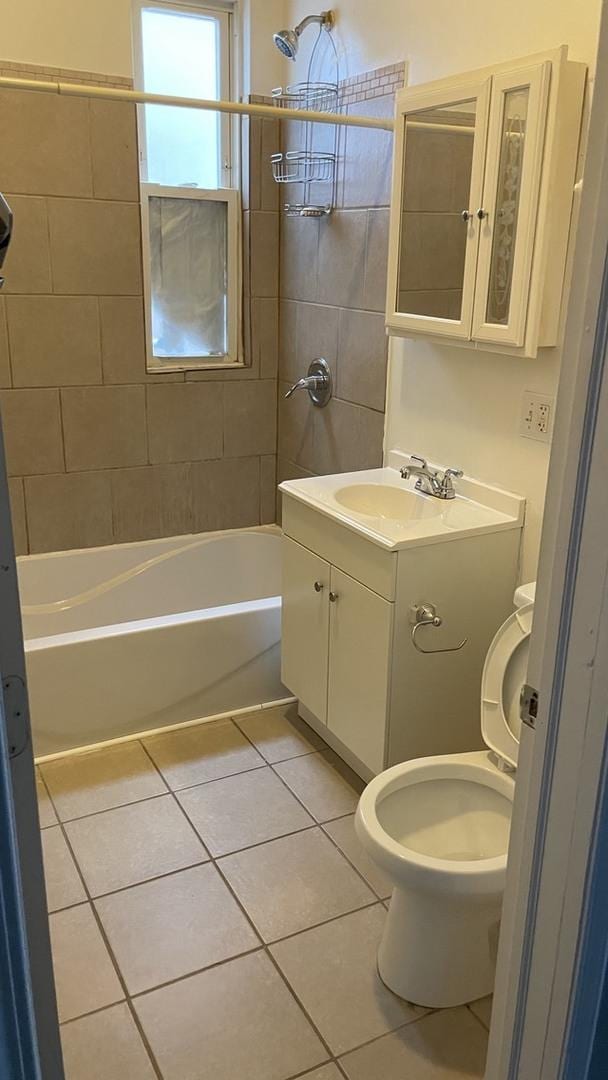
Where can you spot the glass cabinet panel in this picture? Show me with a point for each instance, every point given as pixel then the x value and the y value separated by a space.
pixel 513 136
pixel 437 166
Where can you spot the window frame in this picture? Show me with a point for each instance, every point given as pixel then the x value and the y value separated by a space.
pixel 224 12
pixel 230 196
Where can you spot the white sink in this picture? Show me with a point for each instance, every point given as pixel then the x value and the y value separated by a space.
pixel 387 502
pixel 381 506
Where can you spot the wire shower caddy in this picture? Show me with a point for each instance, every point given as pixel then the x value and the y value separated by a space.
pixel 311 163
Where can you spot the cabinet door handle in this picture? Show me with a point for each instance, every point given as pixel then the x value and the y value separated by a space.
pixel 481 213
pixel 318 586
pixel 333 596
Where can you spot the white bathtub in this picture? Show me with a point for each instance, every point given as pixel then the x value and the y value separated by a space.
pixel 141 636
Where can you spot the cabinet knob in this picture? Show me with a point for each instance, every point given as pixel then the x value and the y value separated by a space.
pixel 333 596
pixel 318 586
pixel 481 213
pixel 466 215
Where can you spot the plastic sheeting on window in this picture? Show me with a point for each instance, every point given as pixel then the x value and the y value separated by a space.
pixel 188 250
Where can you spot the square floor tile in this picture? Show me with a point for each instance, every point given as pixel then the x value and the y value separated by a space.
pixel 63 884
pixel 279 733
pixel 101 779
pixel 332 969
pixel 242 810
pixel 206 752
pixel 46 813
pixel 483 1010
pixel 326 786
pixel 85 978
pixel 447 1045
pixel 173 926
pixel 105 1046
pixel 133 843
pixel 342 832
pixel 290 884
pixel 236 1020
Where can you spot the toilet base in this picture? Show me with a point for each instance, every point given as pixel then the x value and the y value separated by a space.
pixel 439 951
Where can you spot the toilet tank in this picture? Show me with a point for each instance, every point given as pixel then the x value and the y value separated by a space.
pixel 524 594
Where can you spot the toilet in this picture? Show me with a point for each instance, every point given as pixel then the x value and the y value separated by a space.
pixel 439 828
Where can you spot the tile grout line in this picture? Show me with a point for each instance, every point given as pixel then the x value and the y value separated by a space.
pixel 265 948
pixel 113 960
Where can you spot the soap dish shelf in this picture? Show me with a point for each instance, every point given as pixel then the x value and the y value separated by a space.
pixel 309 96
pixel 304 167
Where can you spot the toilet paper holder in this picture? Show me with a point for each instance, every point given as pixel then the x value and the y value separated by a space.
pixel 426 615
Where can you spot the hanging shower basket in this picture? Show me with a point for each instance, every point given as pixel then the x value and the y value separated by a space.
pixel 310 96
pixel 303 167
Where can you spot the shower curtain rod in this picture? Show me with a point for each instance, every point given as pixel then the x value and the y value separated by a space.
pixel 139 97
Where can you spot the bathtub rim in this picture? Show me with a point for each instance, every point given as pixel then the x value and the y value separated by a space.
pixel 272 529
pixel 43 759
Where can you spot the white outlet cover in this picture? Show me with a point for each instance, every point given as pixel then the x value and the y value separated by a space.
pixel 536 417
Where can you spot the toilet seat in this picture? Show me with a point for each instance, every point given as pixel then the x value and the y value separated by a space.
pixel 504 674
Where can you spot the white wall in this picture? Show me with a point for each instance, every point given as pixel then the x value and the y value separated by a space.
pixel 457 406
pixel 95 35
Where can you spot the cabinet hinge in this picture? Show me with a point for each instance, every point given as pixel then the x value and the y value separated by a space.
pixel 14 697
pixel 528 705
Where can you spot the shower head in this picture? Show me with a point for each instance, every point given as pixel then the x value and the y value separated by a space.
pixel 287 41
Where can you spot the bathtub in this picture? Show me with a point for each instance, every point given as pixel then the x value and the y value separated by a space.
pixel 135 637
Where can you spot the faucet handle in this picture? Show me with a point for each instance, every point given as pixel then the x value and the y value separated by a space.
pixel 456 473
pixel 421 460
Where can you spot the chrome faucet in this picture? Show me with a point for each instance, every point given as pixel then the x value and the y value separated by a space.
pixel 431 482
pixel 317 381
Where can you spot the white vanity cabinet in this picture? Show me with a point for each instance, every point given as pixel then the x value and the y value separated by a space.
pixel 336 645
pixel 347 649
pixel 483 177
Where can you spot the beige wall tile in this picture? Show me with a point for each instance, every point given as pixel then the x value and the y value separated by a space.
pixel 376 260
pixel 342 258
pixel 265 335
pixel 288 322
pixel 299 258
pixel 347 437
pixel 362 358
pixel 271 143
pixel 123 344
pixel 268 489
pixel 226 494
pixel 368 157
pixel 69 510
pixel 317 335
pixel 254 201
pixel 296 428
pixel 114 150
pixel 151 501
pixel 264 256
pixel 95 247
pixel 54 340
pixel 250 418
pixel 32 431
pixel 185 422
pixel 104 427
pixel 28 265
pixel 5 367
pixel 17 498
pixel 45 144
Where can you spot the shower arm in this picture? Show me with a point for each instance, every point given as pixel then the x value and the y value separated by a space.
pixel 325 19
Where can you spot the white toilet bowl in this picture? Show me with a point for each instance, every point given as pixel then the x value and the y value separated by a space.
pixel 439 827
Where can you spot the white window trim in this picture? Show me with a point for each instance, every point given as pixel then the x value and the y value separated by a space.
pixel 227 12
pixel 230 196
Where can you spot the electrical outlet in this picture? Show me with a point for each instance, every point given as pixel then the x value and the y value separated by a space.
pixel 536 421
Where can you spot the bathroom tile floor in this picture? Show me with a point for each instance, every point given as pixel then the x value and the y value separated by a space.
pixel 214 916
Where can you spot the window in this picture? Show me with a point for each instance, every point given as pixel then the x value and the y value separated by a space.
pixel 189 208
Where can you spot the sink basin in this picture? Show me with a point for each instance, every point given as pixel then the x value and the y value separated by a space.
pixel 387 502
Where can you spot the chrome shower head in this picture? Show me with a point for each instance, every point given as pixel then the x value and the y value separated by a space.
pixel 287 41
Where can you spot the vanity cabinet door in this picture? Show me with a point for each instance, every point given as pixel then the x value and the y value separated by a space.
pixel 440 138
pixel 360 636
pixel 305 626
pixel 516 134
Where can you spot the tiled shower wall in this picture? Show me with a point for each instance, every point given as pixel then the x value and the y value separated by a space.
pixel 99 451
pixel 333 282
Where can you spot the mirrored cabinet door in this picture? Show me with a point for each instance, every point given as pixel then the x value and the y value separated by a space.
pixel 435 228
pixel 510 199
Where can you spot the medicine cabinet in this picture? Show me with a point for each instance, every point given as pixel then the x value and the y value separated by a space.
pixel 483 179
